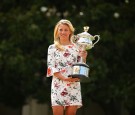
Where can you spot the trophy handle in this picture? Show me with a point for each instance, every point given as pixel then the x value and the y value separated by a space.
pixel 96 40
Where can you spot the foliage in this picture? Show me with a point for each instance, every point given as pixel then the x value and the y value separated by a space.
pixel 27 29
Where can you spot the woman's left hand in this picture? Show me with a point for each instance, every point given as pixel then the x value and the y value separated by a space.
pixel 83 54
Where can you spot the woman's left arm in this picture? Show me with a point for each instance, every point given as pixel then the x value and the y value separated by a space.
pixel 83 54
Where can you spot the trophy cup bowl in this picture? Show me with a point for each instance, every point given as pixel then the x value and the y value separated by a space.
pixel 84 42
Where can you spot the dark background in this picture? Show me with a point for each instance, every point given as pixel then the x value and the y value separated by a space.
pixel 26 31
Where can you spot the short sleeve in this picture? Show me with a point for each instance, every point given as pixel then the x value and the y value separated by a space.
pixel 51 69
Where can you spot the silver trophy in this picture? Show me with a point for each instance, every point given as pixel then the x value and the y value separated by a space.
pixel 84 41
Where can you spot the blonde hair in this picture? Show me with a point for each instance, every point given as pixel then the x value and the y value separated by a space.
pixel 56 37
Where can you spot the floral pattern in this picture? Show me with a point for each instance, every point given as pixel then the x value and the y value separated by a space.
pixel 62 92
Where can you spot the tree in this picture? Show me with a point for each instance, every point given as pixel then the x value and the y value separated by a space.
pixel 27 30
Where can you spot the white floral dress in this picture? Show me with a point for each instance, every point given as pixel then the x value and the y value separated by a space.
pixel 63 93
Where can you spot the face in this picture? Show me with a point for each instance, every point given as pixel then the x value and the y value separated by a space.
pixel 64 32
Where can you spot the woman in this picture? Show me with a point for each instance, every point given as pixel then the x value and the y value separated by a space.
pixel 65 91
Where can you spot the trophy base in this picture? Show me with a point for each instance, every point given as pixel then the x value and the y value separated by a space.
pixel 81 71
pixel 77 76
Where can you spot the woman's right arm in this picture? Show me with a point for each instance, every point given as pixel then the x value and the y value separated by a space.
pixel 51 61
pixel 70 79
pixel 59 75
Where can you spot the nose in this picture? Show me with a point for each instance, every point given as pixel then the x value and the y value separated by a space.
pixel 62 32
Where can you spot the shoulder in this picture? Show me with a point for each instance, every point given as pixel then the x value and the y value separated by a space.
pixel 52 46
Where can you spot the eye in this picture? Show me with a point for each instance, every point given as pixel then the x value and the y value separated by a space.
pixel 60 30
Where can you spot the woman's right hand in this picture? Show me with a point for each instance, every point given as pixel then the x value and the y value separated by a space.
pixel 70 79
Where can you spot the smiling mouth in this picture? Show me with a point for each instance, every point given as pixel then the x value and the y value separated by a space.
pixel 63 35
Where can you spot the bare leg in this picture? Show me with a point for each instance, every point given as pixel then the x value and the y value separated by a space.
pixel 58 110
pixel 71 110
